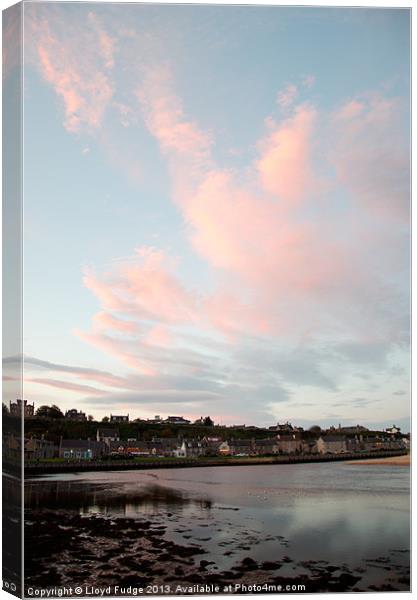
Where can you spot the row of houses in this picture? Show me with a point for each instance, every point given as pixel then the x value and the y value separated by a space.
pixel 192 448
pixel 108 443
pixel 34 448
pixel 291 444
pixel 212 446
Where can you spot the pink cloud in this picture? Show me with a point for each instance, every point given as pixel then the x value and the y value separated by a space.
pixel 186 146
pixel 285 168
pixel 309 81
pixel 77 58
pixel 108 296
pixel 152 290
pixel 106 321
pixel 370 154
pixel 107 44
pixel 253 229
pixel 234 225
pixel 287 96
pixel 278 271
pixel 104 378
pixel 165 118
pixel 77 64
pixel 119 349
pixel 350 110
pixel 159 336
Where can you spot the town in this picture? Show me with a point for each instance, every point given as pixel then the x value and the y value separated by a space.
pixel 73 436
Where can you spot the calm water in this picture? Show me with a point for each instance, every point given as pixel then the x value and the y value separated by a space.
pixel 356 515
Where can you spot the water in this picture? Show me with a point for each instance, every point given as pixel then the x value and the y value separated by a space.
pixel 341 514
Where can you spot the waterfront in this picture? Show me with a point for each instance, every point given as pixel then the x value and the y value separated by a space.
pixel 334 526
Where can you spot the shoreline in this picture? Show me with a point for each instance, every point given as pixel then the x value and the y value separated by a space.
pixel 70 467
pixel 166 535
pixel 126 552
pixel 403 460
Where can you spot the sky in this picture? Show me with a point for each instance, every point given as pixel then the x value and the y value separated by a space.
pixel 216 212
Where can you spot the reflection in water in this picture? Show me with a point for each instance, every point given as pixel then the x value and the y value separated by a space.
pixel 90 497
pixel 348 517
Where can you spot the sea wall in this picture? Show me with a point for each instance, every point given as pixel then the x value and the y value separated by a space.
pixel 40 468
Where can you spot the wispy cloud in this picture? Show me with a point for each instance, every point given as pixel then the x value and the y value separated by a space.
pixel 281 276
pixel 371 155
pixel 285 165
pixel 77 63
pixel 301 242
pixel 32 363
pixel 66 385
pixel 287 96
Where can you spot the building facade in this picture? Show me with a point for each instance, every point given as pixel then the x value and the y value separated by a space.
pixel 331 444
pixel 22 407
pixel 39 449
pixel 82 449
pixel 107 435
pixel 289 443
pixel 119 418
pixel 75 415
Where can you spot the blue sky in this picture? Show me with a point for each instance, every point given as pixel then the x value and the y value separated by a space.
pixel 217 211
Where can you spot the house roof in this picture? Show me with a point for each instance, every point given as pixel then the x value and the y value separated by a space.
pixel 173 420
pixel 126 444
pixel 353 429
pixel 105 432
pixel 240 443
pixel 164 444
pixel 266 442
pixel 212 443
pixel 333 438
pixel 81 444
pixel 289 437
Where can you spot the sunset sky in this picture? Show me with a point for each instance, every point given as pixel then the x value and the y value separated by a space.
pixel 217 212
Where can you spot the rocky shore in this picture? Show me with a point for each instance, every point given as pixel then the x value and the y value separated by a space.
pixel 66 548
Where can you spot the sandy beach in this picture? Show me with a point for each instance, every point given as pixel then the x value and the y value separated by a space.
pixel 400 461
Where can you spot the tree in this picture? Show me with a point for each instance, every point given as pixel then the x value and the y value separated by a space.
pixel 5 410
pixel 55 412
pixel 42 411
pixel 90 418
pixel 208 422
pixel 49 412
pixel 105 420
pixel 315 429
